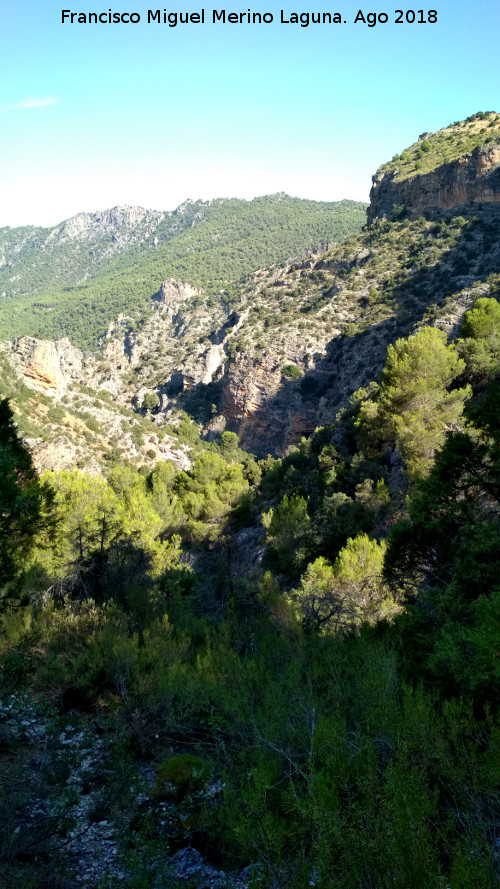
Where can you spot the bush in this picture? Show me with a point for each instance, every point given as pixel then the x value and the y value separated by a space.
pixel 150 401
pixel 291 371
pixel 180 775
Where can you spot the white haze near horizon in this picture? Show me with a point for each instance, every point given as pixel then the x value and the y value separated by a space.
pixel 92 116
pixel 48 201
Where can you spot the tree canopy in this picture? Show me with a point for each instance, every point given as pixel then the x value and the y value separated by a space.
pixel 24 504
pixel 416 405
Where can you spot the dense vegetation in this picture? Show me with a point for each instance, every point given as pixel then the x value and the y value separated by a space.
pixel 304 649
pixel 214 246
pixel 35 259
pixel 446 145
pixel 379 281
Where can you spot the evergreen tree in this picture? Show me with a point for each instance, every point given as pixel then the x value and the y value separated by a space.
pixel 479 345
pixel 332 598
pixel 447 553
pixel 415 406
pixel 22 503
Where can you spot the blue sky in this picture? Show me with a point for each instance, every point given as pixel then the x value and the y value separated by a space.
pixel 97 115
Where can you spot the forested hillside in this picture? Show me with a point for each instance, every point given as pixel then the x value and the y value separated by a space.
pixel 211 245
pixel 444 146
pixel 302 661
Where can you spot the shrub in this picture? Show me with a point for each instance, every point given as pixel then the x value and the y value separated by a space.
pixel 150 401
pixel 180 775
pixel 291 371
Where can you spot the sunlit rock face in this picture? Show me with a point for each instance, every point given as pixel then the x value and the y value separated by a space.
pixel 46 366
pixel 472 179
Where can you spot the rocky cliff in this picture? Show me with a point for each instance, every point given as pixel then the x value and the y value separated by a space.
pixel 283 352
pixel 470 180
pixel 48 367
pixel 66 406
pixel 455 167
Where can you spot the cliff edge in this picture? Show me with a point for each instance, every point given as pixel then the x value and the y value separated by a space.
pixel 457 166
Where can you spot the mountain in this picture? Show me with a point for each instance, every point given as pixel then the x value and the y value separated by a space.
pixel 456 166
pixel 302 337
pixel 232 672
pixel 33 259
pixel 281 353
pixel 73 280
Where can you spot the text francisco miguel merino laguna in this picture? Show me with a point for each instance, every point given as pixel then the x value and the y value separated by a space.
pixel 172 19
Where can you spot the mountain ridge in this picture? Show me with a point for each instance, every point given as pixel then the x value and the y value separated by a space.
pixel 210 245
pixel 458 165
pixel 281 354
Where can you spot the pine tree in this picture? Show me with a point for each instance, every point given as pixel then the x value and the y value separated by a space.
pixel 22 503
pixel 415 407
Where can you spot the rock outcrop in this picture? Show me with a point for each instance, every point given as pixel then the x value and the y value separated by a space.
pixel 472 179
pixel 270 413
pixel 85 422
pixel 121 223
pixel 46 366
pixel 61 453
pixel 173 292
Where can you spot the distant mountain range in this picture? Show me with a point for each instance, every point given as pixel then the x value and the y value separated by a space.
pixel 74 279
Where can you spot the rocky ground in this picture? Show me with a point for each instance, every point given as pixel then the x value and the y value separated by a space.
pixel 64 813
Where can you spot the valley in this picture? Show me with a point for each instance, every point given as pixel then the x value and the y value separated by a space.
pixel 250 538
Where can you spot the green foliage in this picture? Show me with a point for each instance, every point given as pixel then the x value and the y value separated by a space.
pixel 291 371
pixel 184 773
pixel 107 541
pixel 229 443
pixel 414 407
pixel 445 146
pixel 341 750
pixel 25 505
pixel 346 756
pixel 150 401
pixel 207 492
pixel 187 432
pixel 479 345
pixel 448 549
pixel 345 494
pixel 122 478
pixel 333 598
pixel 349 330
pixel 211 245
pixel 287 525
pixel 482 321
pixel 88 517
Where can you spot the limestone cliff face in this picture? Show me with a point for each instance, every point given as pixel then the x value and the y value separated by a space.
pixel 81 420
pixel 118 222
pixel 268 413
pixel 472 179
pixel 46 366
pixel 153 351
pixel 173 293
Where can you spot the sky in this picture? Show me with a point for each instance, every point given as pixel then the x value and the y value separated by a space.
pixel 95 115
